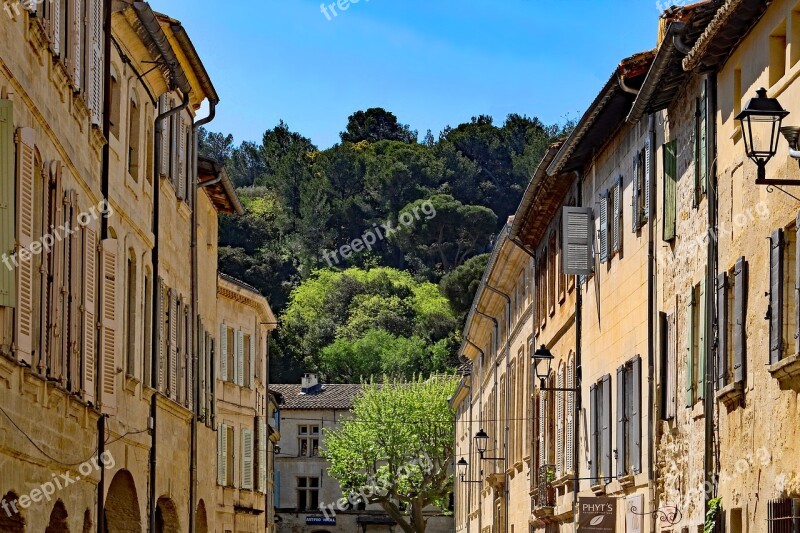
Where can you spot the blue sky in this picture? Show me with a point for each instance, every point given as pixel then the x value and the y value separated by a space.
pixel 432 63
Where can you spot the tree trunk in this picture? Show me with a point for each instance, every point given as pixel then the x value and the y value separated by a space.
pixel 397 516
pixel 418 517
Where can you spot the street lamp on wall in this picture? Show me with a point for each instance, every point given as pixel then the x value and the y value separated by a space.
pixel 481 441
pixel 761 123
pixel 461 467
pixel 542 362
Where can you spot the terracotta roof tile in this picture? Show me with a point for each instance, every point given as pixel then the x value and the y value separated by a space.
pixel 332 396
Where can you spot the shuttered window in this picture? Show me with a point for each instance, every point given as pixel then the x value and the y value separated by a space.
pixel 147 348
pixel 604 226
pixel 552 274
pixel 740 281
pixel 223 343
pixel 95 100
pixel 247 458
pixel 605 421
pixel 670 198
pixel 261 454
pixel 669 366
pixel 222 455
pixel 569 449
pixel 8 293
pixel 701 146
pixel 594 435
pixel 600 442
pixel 578 235
pixel 90 284
pixel 616 224
pixel 560 423
pixel 691 346
pixel 776 269
pixel 702 351
pixel 108 323
pixel 26 170
pixel 163 164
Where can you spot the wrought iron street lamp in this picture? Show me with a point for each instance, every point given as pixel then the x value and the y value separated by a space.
pixel 761 123
pixel 542 362
pixel 461 467
pixel 481 441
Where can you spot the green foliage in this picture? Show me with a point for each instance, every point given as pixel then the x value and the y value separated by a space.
pixel 376 124
pixel 714 509
pixel 398 447
pixel 460 285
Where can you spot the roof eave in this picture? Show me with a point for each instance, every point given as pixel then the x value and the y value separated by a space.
pixel 521 216
pixel 160 43
pixel 664 56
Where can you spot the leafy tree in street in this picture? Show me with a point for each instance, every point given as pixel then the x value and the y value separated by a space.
pixel 398 448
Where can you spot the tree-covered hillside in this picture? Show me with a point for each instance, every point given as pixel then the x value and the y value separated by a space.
pixel 426 211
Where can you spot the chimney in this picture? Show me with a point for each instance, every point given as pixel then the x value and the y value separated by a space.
pixel 310 384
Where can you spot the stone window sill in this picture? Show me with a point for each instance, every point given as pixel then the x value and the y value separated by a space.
pixel 598 490
pixel 787 372
pixel 731 395
pixel 626 480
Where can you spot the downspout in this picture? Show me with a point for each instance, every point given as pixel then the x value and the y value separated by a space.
pixel 625 88
pixel 157 156
pixel 105 181
pixel 506 430
pixel 480 423
pixel 192 178
pixel 653 305
pixel 711 269
pixel 578 373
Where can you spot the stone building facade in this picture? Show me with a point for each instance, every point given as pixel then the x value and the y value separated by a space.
pixel 305 496
pixel 110 297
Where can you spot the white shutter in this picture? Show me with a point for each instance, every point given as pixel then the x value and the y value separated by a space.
pixel 161 385
pixel 222 455
pixel 253 358
pixel 26 140
pixel 261 436
pixel 77 43
pixel 173 345
pixel 163 107
pixel 173 147
pixel 578 235
pixel 247 458
pixel 89 311
pixel 223 350
pixel 180 186
pixel 239 358
pixel 604 256
pixel 618 216
pixel 56 308
pixel 542 416
pixel 108 323
pixel 55 10
pixel 96 73
pixel 190 356
pixel 569 449
pixel 646 187
pixel 559 423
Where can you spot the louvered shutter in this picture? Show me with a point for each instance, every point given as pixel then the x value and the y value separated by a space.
pixel 239 357
pixel 607 428
pixel 690 348
pixel 560 424
pixel 73 324
pixel 702 351
pixel 647 167
pixel 253 358
pixel 223 348
pixel 672 365
pixel 636 188
pixel 96 73
pixel 722 329
pixel 604 227
pixel 542 420
pixel 776 297
pixel 77 43
pixel 26 140
pixel 163 105
pixel 578 235
pixel 222 455
pixel 8 292
pixel 89 311
pixel 160 295
pixel 247 459
pixel 190 358
pixel 108 323
pixel 618 216
pixel 56 307
pixel 569 445
pixel 740 312
pixel 261 426
pixel 621 422
pixel 173 147
pixel 180 186
pixel 173 345
pixel 670 191
pixel 55 9
pixel 594 457
pixel 634 425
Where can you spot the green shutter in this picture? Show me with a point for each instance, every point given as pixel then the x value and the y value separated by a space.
pixel 690 348
pixel 8 219
pixel 670 190
pixel 701 343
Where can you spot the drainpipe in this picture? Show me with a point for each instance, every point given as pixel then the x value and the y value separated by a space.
pixel 472 433
pixel 105 181
pixel 624 87
pixel 578 374
pixel 506 430
pixel 711 269
pixel 651 317
pixel 157 156
pixel 192 178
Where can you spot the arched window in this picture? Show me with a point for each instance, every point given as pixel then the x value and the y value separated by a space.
pixel 559 422
pixel 147 313
pixel 130 313
pixel 11 521
pixel 569 419
pixel 134 120
pixel 116 102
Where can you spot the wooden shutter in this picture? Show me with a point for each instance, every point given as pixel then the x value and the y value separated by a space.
pixel 173 345
pixel 542 420
pixel 578 235
pixel 223 348
pixel 97 72
pixel 690 348
pixel 722 330
pixel 672 366
pixel 647 176
pixel 163 106
pixel 26 170
pixel 75 276
pixel 702 160
pixel 247 459
pixel 108 323
pixel 89 312
pixel 160 295
pixel 173 147
pixel 621 423
pixel 702 350
pixel 776 297
pixel 618 216
pixel 8 292
pixel 594 456
pixel 261 447
pixel 222 455
pixel 56 308
pixel 669 231
pixel 636 188
pixel 180 186
pixel 634 425
pixel 55 37
pixel 190 357
pixel 607 428
pixel 560 423
pixel 76 62
pixel 253 358
pixel 239 358
pixel 604 227
pixel 569 445
pixel 739 316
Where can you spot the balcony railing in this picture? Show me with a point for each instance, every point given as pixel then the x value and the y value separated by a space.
pixel 545 492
